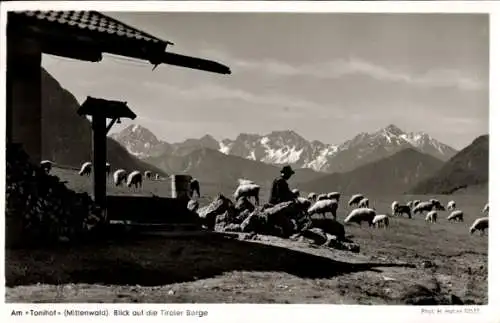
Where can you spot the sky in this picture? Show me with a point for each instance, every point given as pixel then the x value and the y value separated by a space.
pixel 327 76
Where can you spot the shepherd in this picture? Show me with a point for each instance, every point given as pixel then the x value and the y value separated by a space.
pixel 280 191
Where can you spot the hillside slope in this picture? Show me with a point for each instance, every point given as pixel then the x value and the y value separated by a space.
pixel 212 166
pixel 468 168
pixel 392 175
pixel 67 137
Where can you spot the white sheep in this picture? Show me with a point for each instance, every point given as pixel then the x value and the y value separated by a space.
pixel 402 209
pixel 46 165
pixel 157 177
pixel 148 174
pixel 296 192
pixel 312 197
pixel 381 220
pixel 86 169
pixel 480 225
pixel 355 199
pixel 193 205
pixel 457 215
pixel 333 196
pixel 243 181
pixel 304 203
pixel 413 203
pixel 248 190
pixel 423 206
pixel 361 214
pixel 323 207
pixel 431 216
pixel 134 178
pixel 322 197
pixel 486 209
pixel 364 203
pixel 119 176
pixel 451 205
pixel 393 207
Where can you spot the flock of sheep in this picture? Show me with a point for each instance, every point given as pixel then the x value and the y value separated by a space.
pixel 328 203
pixel 314 203
pixel 120 176
pixel 363 213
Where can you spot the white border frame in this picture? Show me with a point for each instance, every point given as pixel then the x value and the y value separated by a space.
pixel 297 313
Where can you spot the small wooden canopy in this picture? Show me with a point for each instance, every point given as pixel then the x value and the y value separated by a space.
pixel 106 108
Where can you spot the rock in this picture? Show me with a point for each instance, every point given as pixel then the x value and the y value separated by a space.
pixel 40 208
pixel 232 227
pixel 209 213
pixel 420 295
pixel 255 222
pixel 330 226
pixel 243 204
pixel 316 235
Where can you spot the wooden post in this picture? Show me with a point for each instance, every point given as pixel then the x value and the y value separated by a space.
pixel 24 110
pixel 99 164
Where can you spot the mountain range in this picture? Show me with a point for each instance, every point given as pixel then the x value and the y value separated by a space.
pixel 386 161
pixel 468 169
pixel 396 173
pixel 288 147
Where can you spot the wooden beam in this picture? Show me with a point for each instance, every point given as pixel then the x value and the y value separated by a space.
pixel 108 128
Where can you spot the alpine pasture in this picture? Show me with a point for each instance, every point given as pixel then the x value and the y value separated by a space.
pixel 412 254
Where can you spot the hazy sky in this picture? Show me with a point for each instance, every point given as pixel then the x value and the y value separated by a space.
pixel 326 76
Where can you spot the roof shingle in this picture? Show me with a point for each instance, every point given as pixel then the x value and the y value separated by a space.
pixel 93 21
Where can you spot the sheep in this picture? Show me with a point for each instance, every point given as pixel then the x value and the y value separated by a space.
pixel 86 169
pixel 134 178
pixel 148 174
pixel 243 181
pixel 480 225
pixel 296 192
pixel 457 215
pixel 402 209
pixel 157 177
pixel 431 216
pixel 393 207
pixel 323 207
pixel 437 205
pixel 486 209
pixel 364 202
pixel 423 206
pixel 108 169
pixel 451 205
pixel 194 186
pixel 413 203
pixel 381 220
pixel 333 196
pixel 46 165
pixel 304 203
pixel 193 205
pixel 322 197
pixel 119 176
pixel 248 190
pixel 312 197
pixel 355 199
pixel 361 214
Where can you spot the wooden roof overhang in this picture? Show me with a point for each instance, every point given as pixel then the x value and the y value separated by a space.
pixel 86 35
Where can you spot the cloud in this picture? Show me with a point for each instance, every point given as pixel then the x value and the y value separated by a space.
pixel 218 92
pixel 338 68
